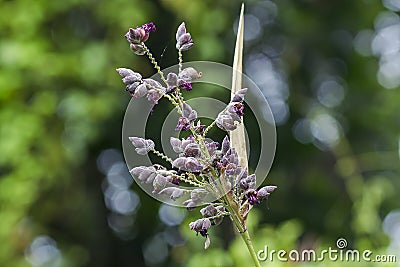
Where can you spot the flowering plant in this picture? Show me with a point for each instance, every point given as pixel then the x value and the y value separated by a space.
pixel 212 169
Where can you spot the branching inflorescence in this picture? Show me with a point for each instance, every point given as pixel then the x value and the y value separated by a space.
pixel 209 167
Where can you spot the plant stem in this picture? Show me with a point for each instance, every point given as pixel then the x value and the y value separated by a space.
pixel 246 238
pixel 154 62
pixel 180 60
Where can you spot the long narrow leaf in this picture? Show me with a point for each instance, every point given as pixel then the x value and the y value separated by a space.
pixel 237 137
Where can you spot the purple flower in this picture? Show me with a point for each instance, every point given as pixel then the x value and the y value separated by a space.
pixel 131 79
pixel 239 96
pixel 196 198
pixel 233 112
pixel 188 116
pixel 176 144
pixel 159 183
pixel 189 74
pixel 185 85
pixel 192 150
pixel 211 147
pixel 142 146
pixel 140 34
pixel 251 196
pixel 189 164
pixel 173 192
pixel 183 39
pixel 256 196
pixel 183 124
pixel 172 81
pixel 144 174
pixel 200 226
pixel 265 191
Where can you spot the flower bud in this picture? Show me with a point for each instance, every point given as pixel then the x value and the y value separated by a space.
pixel 239 96
pixel 137 49
pixel 209 211
pixel 176 144
pixel 188 112
pixel 172 81
pixel 140 34
pixel 189 74
pixel 226 145
pixel 142 146
pixel 183 39
pixel 183 124
pixel 144 174
pixel 192 150
pixel 173 192
pixel 225 122
pixel 140 91
pixel 193 165
pixel 265 191
pixel 211 147
pixel 159 183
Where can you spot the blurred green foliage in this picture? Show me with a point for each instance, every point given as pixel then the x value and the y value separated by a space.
pixel 61 104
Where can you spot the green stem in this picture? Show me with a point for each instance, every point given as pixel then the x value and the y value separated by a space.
pixel 161 155
pixel 154 62
pixel 233 208
pixel 180 58
pixel 209 128
pixel 246 238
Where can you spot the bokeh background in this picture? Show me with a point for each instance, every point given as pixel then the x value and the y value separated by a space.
pixel 329 69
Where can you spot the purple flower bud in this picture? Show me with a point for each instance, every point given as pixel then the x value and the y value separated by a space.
pixel 238 109
pixel 209 211
pixel 181 30
pixel 187 141
pixel 182 84
pixel 173 192
pixel 154 95
pixel 176 144
pixel 192 150
pixel 211 147
pixel 153 84
pixel 225 122
pixel 187 45
pixel 188 112
pixel 131 88
pixel 200 226
pixel 193 165
pixel 138 49
pixel 172 81
pixel 175 181
pixel 142 146
pixel 265 191
pixel 239 96
pixel 159 183
pixel 251 196
pixel 189 74
pixel 144 174
pixel 196 198
pixel 226 145
pixel 140 34
pixel 190 204
pixel 183 39
pixel 179 163
pixel 183 124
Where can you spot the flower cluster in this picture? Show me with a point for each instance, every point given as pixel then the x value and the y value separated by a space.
pixel 212 168
pixel 136 37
